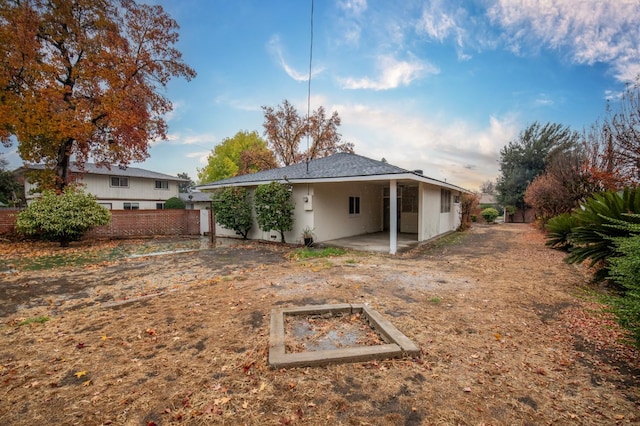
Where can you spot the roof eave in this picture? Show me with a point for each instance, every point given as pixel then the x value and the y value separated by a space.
pixel 368 178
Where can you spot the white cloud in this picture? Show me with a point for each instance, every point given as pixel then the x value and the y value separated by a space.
pixel 391 74
pixel 275 48
pixel 201 156
pixel 589 31
pixel 543 100
pixel 355 7
pixel 436 23
pixel 461 153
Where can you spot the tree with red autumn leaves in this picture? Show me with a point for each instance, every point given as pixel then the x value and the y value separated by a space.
pixel 285 129
pixel 80 80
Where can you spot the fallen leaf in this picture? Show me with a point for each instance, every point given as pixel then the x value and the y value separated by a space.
pixel 467 389
pixel 245 405
pixel 497 336
pixel 80 374
pixel 221 401
pixel 87 383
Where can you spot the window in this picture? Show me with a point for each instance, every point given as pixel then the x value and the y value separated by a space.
pixel 159 206
pixel 106 205
pixel 354 205
pixel 162 184
pixel 131 206
pixel 119 181
pixel 445 201
pixel 456 199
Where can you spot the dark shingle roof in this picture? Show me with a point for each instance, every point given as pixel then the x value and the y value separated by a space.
pixel 195 196
pixel 339 165
pixel 91 168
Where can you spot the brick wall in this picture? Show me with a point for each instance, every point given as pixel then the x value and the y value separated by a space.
pixel 8 221
pixel 130 223
pixel 138 223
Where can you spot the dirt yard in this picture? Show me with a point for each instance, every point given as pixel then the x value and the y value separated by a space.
pixel 507 330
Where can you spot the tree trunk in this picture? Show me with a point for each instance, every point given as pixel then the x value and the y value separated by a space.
pixel 63 161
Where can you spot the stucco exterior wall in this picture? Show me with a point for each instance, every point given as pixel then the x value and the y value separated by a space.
pixel 331 210
pixel 326 211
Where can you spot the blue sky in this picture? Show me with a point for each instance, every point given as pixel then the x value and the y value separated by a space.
pixel 440 86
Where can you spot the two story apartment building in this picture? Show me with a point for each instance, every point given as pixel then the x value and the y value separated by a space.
pixel 129 188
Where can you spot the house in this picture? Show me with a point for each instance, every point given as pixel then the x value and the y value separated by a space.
pixel 128 188
pixel 196 200
pixel 346 195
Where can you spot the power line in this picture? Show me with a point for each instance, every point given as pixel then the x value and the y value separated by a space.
pixel 309 85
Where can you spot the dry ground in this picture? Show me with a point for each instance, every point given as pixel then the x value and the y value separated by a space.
pixel 507 332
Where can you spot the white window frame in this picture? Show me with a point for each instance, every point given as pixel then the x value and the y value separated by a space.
pixel 120 180
pixel 162 184
pixel 354 205
pixel 130 206
pixel 445 200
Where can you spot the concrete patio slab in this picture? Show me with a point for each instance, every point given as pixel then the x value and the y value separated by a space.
pixel 375 242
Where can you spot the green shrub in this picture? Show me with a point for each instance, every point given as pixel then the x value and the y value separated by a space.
pixel 489 214
pixel 274 211
pixel 232 208
pixel 64 218
pixel 624 270
pixel 559 230
pixel 174 203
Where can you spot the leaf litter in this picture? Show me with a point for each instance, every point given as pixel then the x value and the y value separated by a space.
pixel 512 340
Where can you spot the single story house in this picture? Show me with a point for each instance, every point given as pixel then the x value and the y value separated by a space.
pixel 128 188
pixel 346 195
pixel 196 200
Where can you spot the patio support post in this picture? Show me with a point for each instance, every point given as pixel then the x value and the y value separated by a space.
pixel 393 216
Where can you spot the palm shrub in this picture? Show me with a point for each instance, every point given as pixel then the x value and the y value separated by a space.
pixel 232 208
pixel 593 237
pixel 559 230
pixel 62 217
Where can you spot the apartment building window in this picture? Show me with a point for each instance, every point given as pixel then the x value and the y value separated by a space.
pixel 131 206
pixel 119 182
pixel 162 184
pixel 354 205
pixel 445 201
pixel 159 206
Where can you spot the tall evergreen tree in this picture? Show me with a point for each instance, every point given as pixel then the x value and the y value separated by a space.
pixel 523 159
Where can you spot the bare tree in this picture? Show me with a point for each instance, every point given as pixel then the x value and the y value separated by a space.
pixel 285 128
pixel 625 128
pixel 488 187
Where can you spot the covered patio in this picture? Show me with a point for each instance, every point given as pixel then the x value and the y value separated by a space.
pixel 376 242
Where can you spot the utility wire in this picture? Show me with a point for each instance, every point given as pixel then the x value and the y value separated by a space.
pixel 309 85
